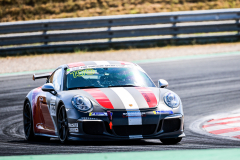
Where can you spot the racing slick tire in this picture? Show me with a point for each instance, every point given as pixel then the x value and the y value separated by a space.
pixel 28 125
pixel 171 140
pixel 28 122
pixel 62 123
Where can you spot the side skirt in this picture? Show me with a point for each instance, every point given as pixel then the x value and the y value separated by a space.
pixel 45 135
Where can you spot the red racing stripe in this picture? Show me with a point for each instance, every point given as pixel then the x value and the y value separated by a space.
pixel 148 96
pixel 77 64
pixel 221 131
pixel 238 137
pixel 100 97
pixel 223 118
pixel 216 124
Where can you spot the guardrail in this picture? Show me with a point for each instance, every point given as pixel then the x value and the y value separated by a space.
pixel 43 34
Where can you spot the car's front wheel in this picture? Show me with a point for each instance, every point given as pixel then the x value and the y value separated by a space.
pixel 62 125
pixel 171 140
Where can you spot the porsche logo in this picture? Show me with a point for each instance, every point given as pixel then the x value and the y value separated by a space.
pixel 130 105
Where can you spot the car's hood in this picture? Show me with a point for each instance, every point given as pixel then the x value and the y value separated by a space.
pixel 123 97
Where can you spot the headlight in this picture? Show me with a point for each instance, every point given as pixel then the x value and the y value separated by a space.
pixel 171 99
pixel 82 103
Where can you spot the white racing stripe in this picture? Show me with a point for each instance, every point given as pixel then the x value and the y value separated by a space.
pixel 102 62
pixel 126 98
pixel 131 106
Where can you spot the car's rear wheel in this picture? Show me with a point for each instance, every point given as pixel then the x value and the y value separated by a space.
pixel 171 140
pixel 28 122
pixel 28 125
pixel 62 125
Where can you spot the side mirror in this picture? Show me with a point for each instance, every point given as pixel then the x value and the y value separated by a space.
pixel 162 83
pixel 48 87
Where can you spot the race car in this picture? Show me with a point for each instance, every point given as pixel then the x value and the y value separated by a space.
pixel 102 100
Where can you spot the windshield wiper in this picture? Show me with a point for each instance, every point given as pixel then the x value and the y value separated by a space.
pixel 83 87
pixel 127 85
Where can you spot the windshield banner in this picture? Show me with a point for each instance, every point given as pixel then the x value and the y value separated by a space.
pixel 69 70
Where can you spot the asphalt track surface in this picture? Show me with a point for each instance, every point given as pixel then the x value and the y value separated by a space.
pixel 206 86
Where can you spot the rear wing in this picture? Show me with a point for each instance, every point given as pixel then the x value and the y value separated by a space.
pixel 39 76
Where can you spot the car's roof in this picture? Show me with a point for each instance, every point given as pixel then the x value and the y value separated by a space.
pixel 86 63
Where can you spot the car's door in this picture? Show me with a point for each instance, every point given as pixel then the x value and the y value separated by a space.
pixel 48 103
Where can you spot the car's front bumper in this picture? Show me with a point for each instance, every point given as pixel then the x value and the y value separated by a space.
pixel 154 126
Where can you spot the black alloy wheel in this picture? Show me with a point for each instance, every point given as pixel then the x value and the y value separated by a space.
pixel 27 122
pixel 171 140
pixel 62 125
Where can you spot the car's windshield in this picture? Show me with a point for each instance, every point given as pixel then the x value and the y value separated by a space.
pixel 107 77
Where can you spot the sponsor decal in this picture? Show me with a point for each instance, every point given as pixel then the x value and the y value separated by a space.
pixel 80 73
pixel 134 117
pixel 69 70
pixel 53 106
pixel 73 129
pixel 72 124
pixel 134 114
pixel 98 114
pixel 93 66
pixel 163 112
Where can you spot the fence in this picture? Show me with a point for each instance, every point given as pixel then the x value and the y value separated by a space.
pixel 105 31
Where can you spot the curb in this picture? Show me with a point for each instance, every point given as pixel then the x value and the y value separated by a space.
pixel 196 126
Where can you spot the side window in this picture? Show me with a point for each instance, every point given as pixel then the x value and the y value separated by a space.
pixel 56 79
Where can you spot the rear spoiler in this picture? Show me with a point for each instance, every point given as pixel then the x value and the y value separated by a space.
pixel 39 76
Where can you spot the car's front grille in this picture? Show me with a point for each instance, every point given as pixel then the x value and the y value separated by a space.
pixel 171 125
pixel 94 128
pixel 127 130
